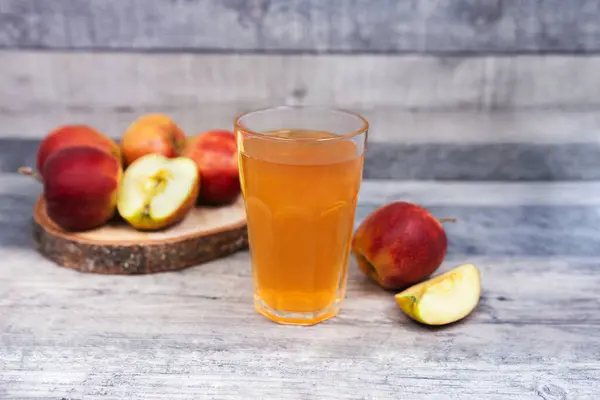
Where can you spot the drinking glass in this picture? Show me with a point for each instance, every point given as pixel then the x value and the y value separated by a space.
pixel 300 173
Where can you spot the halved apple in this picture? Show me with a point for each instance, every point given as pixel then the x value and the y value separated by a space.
pixel 443 299
pixel 157 192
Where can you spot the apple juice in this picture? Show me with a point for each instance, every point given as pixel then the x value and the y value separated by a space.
pixel 300 194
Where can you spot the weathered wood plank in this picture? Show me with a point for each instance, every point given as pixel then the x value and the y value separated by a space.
pixel 465 26
pixel 509 194
pixel 184 382
pixel 194 333
pixel 558 292
pixel 387 124
pixel 111 88
pixel 117 338
pixel 439 161
pixel 526 162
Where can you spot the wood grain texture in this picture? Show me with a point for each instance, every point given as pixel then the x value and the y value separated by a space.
pixel 391 159
pixel 205 234
pixel 111 89
pixel 386 26
pixel 194 333
pixel 386 124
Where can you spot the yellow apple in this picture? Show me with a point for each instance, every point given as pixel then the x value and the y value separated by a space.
pixel 157 191
pixel 444 299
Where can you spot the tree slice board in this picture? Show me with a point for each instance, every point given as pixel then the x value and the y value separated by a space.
pixel 205 234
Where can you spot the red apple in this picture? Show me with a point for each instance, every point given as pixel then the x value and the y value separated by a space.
pixel 399 244
pixel 80 187
pixel 152 134
pixel 74 135
pixel 215 154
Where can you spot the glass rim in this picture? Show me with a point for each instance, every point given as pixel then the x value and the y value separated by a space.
pixel 363 129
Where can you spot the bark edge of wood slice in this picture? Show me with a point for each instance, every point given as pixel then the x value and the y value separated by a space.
pixel 206 234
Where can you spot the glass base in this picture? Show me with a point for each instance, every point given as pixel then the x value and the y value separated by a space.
pixel 296 318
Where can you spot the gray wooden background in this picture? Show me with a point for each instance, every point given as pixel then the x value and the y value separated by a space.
pixel 454 89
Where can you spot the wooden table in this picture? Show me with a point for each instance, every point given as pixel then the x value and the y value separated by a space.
pixel 194 334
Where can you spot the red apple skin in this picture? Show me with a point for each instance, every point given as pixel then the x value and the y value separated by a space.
pixel 74 135
pixel 399 244
pixel 215 154
pixel 80 187
pixel 152 134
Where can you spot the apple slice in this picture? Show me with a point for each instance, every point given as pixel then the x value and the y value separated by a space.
pixel 157 191
pixel 443 299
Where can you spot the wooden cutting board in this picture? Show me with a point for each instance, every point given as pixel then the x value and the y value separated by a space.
pixel 205 234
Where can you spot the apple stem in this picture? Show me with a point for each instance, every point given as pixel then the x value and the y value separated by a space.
pixel 29 172
pixel 442 220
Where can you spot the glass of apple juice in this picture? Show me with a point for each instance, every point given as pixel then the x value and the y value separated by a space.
pixel 300 173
